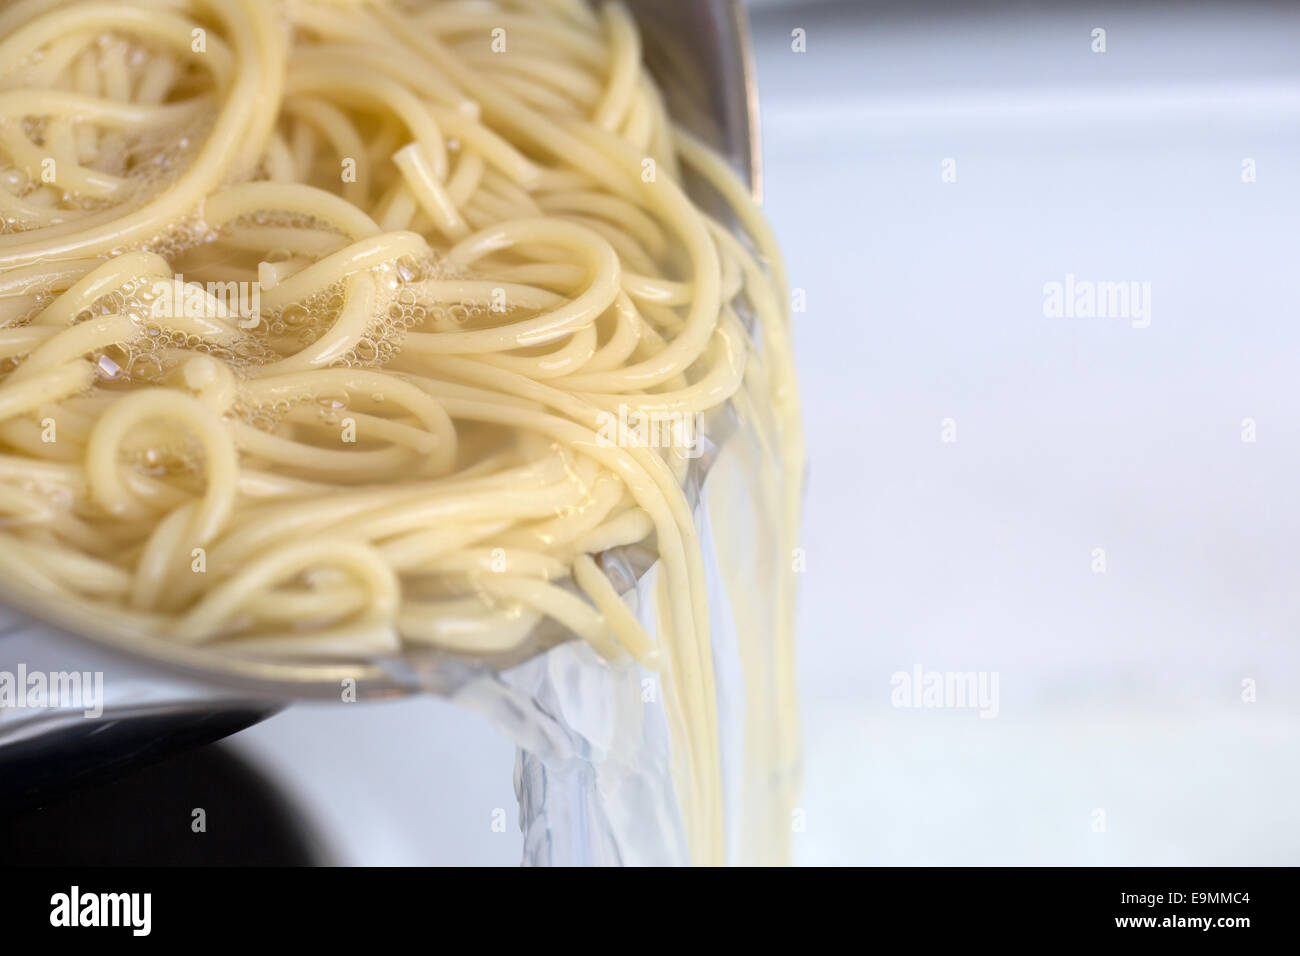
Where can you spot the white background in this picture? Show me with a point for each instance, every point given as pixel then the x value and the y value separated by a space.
pixel 1119 692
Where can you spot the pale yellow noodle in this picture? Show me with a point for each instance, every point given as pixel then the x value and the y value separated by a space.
pixel 318 321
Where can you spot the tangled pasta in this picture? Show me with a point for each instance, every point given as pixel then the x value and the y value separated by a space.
pixel 322 324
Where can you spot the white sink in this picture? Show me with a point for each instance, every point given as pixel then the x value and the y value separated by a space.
pixel 1119 692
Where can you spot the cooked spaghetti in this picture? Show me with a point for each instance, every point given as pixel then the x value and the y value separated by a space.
pixel 329 330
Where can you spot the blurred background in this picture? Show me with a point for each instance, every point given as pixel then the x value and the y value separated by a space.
pixel 1102 512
